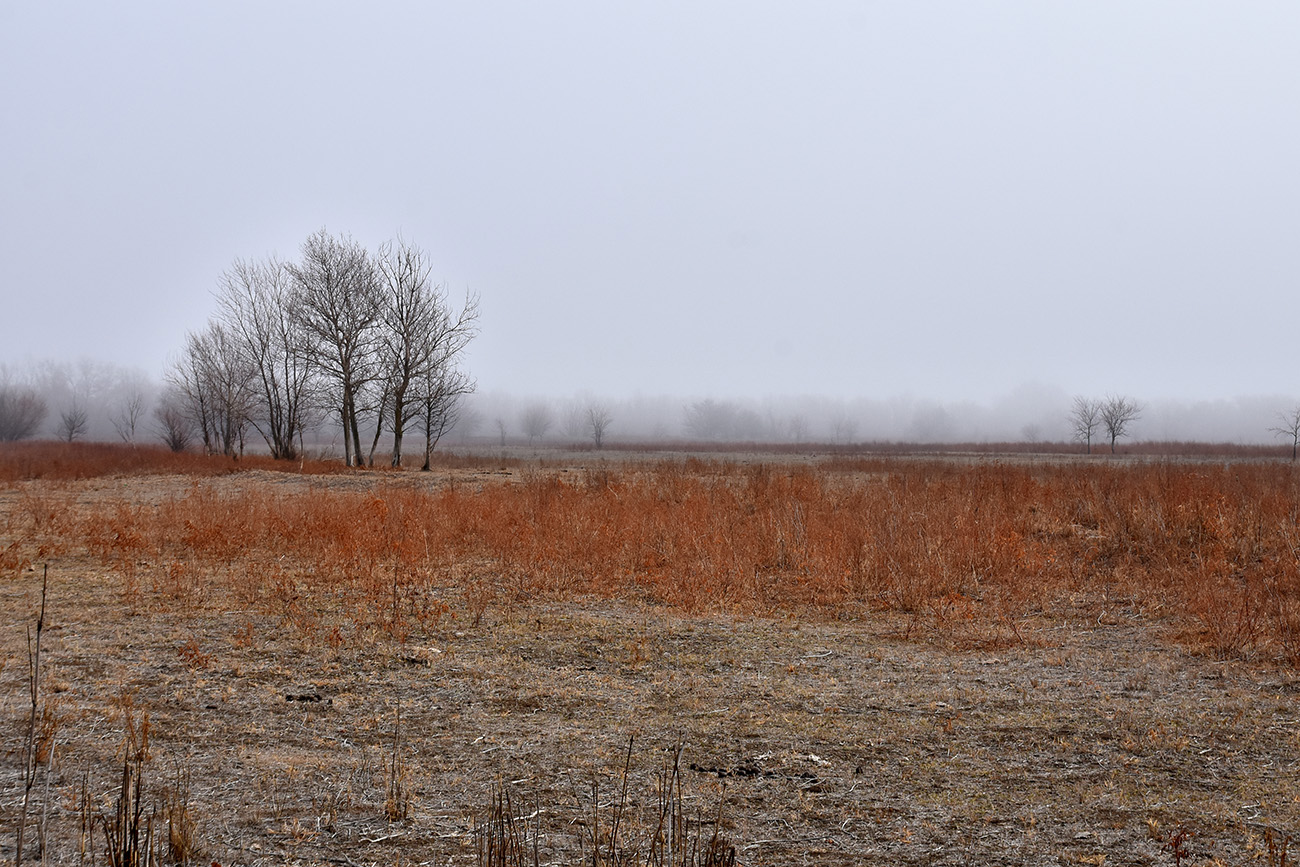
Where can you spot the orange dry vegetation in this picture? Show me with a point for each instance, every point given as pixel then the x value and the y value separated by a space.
pixel 971 552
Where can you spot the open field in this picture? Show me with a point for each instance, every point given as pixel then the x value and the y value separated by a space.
pixel 863 659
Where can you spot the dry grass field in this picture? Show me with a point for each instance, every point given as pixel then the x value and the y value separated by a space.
pixel 805 660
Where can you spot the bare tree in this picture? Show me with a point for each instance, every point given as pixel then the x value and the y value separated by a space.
pixel 844 428
pixel 1117 413
pixel 598 421
pixel 258 307
pixel 419 336
pixel 721 420
pixel 1085 419
pixel 797 428
pixel 468 422
pixel 708 420
pixel 536 421
pixel 21 413
pixel 441 384
pixel 573 420
pixel 127 418
pixel 173 424
pixel 1289 427
pixel 72 423
pixel 338 309
pixel 216 383
pixel 501 431
pixel 441 391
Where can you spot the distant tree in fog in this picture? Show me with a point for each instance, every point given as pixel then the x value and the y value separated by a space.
pixel 172 423
pixel 1085 419
pixel 1289 427
pixel 598 421
pixel 468 423
pixel 573 420
pixel 797 428
pixel 72 423
pixel 127 417
pixel 844 429
pixel 501 430
pixel 536 421
pixel 21 413
pixel 719 420
pixel 1117 413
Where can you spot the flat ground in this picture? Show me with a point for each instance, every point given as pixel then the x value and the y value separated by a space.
pixel 1094 738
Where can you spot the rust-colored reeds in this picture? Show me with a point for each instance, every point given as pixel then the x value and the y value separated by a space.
pixel 974 547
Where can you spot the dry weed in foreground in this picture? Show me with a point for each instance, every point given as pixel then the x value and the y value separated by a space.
pixel 31 751
pixel 612 834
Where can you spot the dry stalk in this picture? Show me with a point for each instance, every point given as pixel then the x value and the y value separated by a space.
pixel 613 834
pixel 397 805
pixel 30 757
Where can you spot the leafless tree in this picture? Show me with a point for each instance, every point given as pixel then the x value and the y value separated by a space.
pixel 844 429
pixel 419 337
pixel 338 308
pixel 1289 427
pixel 21 413
pixel 708 419
pixel 441 385
pixel 536 421
pixel 172 423
pixel 598 421
pixel 72 422
pixel 127 418
pixel 441 391
pixel 1117 413
pixel 797 428
pixel 216 383
pixel 1085 419
pixel 468 423
pixel 257 305
pixel 573 420
pixel 721 420
pixel 501 431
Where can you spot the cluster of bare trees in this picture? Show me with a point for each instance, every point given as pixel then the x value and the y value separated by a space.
pixel 82 399
pixel 367 338
pixel 1114 416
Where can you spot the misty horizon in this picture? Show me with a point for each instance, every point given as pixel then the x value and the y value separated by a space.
pixel 1030 413
pixel 924 213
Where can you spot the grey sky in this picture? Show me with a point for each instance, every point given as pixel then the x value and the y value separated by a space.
pixel 739 199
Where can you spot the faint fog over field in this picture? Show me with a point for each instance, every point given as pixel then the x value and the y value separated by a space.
pixel 833 220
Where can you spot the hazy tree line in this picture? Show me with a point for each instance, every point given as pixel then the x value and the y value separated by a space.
pixel 97 401
pixel 365 338
pixel 81 400
pixel 590 419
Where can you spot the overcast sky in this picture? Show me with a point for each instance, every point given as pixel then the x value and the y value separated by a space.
pixel 851 199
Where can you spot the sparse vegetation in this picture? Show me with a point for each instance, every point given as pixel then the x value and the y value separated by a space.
pixel 848 646
pixel 917 538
